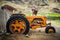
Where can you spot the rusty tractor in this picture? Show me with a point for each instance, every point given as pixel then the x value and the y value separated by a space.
pixel 21 24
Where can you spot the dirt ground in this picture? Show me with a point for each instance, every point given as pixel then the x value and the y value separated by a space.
pixel 34 35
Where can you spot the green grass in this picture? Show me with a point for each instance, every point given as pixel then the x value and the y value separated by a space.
pixel 53 15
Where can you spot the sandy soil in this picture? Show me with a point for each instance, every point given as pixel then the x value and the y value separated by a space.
pixel 34 35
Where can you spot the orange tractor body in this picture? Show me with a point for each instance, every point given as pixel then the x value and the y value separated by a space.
pixel 36 21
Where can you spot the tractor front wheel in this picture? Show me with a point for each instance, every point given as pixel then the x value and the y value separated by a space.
pixel 50 29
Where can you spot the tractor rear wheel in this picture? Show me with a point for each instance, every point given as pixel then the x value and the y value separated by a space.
pixel 18 24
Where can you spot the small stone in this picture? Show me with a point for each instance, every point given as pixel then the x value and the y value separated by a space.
pixel 27 35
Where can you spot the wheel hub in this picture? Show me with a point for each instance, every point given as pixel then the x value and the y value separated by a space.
pixel 17 25
pixel 51 31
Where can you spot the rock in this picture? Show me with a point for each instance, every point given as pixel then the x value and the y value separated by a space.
pixel 57 10
pixel 2 32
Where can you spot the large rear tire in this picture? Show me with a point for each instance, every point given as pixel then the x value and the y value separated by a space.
pixel 18 17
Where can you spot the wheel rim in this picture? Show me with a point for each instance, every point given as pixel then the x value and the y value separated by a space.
pixel 50 30
pixel 17 26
